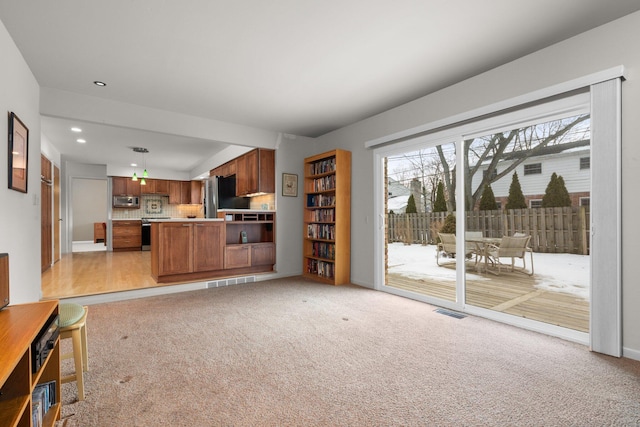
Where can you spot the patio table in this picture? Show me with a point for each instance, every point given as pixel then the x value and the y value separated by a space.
pixel 482 246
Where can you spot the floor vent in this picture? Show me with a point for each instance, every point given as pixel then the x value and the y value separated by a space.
pixel 230 281
pixel 450 313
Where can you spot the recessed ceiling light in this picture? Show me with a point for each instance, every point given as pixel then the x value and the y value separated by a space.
pixel 75 129
pixel 134 164
pixel 81 141
pixel 99 83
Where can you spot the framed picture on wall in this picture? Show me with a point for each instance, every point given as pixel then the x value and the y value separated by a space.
pixel 290 184
pixel 18 154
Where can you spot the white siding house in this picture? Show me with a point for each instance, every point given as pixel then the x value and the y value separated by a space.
pixel 534 175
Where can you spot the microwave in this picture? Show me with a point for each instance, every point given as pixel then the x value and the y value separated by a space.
pixel 126 201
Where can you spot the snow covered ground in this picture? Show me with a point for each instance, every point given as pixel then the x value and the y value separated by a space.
pixel 566 273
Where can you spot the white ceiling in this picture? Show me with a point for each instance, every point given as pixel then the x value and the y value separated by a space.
pixel 299 67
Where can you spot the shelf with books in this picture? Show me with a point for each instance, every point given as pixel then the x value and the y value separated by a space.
pixel 21 403
pixel 327 217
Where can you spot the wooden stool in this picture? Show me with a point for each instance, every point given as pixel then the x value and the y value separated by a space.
pixel 73 324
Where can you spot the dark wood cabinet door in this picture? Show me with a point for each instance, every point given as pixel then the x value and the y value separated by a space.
pixel 196 192
pixel 208 241
pixel 175 192
pixel 237 256
pixel 133 187
pixel 263 254
pixel 242 178
pixel 185 192
pixel 162 186
pixel 176 243
pixel 119 186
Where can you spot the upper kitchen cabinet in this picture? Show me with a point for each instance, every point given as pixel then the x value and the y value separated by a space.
pixel 156 186
pixel 185 192
pixel 196 192
pixel 124 186
pixel 255 172
pixel 225 170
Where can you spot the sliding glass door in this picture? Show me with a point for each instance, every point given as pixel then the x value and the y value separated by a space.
pixel 527 194
pixel 493 216
pixel 415 182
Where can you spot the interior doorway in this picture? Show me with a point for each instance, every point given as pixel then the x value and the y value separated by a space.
pixel 89 214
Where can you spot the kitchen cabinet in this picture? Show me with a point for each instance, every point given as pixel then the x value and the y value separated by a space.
pixel 208 238
pixel 175 192
pixel 255 172
pixel 225 170
pixel 185 192
pixel 258 247
pixel 196 192
pixel 126 235
pixel 156 186
pixel 207 249
pixel 186 249
pixel 176 248
pixel 124 186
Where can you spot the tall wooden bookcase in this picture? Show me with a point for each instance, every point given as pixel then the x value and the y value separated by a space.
pixel 326 243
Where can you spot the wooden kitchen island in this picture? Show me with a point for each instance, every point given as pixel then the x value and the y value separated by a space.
pixel 237 243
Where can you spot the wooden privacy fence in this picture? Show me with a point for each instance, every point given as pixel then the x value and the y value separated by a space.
pixel 553 230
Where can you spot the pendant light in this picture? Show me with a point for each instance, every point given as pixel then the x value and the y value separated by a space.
pixel 145 175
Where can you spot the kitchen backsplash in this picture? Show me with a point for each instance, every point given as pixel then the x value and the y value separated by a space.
pixel 158 207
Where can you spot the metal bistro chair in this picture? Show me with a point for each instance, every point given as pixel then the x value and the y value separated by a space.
pixel 511 247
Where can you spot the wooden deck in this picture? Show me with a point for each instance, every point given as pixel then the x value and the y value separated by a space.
pixel 511 293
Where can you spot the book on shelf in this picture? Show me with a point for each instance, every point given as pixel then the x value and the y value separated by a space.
pixel 323 166
pixel 320 200
pixel 42 399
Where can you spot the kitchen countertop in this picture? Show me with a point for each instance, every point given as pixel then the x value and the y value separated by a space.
pixel 247 210
pixel 186 219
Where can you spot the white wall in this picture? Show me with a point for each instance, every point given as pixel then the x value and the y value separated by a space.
pixel 290 154
pixel 602 48
pixel 20 212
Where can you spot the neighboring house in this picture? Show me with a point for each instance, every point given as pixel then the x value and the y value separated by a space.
pixel 573 165
pixel 398 195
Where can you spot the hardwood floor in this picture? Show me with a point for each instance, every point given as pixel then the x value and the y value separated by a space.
pixel 92 273
pixel 511 293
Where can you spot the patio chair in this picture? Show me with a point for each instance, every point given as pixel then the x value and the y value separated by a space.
pixel 447 247
pixel 511 247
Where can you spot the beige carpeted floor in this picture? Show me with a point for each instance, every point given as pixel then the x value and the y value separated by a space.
pixel 296 353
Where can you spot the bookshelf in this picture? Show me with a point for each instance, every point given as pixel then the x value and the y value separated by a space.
pixel 326 245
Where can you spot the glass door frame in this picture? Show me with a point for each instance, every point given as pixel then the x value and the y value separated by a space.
pixel 538 113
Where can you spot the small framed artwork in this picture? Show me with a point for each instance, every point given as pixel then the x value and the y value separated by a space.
pixel 18 154
pixel 290 184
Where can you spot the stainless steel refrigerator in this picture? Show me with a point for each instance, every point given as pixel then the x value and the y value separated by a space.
pixel 211 197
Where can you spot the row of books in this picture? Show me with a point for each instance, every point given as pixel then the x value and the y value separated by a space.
pixel 324 250
pixel 320 200
pixel 42 399
pixel 325 183
pixel 323 166
pixel 321 231
pixel 324 215
pixel 320 268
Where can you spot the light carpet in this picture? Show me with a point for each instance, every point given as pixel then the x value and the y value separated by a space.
pixel 293 352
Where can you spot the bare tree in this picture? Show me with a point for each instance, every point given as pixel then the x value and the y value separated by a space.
pixel 517 145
